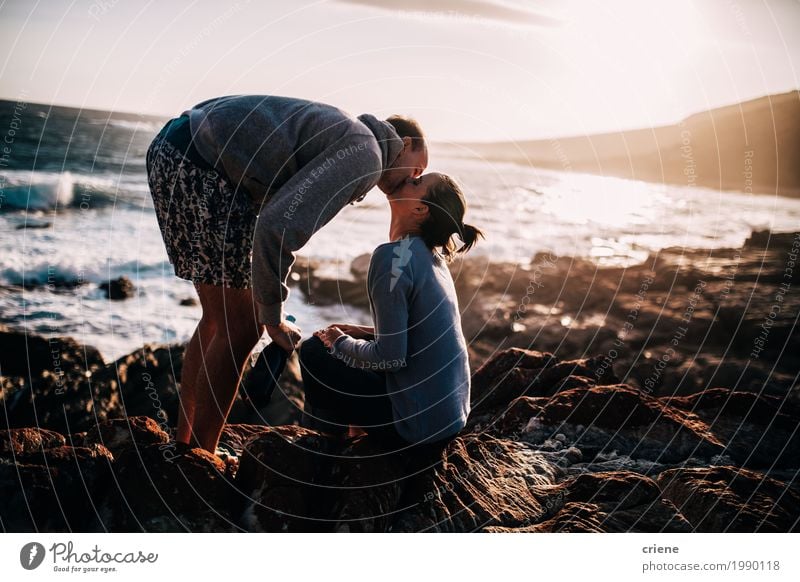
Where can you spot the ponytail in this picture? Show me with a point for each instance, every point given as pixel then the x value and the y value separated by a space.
pixel 469 235
pixel 447 206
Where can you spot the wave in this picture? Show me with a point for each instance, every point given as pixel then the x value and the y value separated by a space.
pixel 69 271
pixel 23 190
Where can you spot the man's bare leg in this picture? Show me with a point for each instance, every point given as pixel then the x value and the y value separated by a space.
pixel 236 332
pixel 192 362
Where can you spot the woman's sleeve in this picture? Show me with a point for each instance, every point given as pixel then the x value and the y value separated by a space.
pixel 390 291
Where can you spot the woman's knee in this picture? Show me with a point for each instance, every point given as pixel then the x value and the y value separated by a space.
pixel 312 350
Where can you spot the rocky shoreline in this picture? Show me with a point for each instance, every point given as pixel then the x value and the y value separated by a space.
pixel 644 399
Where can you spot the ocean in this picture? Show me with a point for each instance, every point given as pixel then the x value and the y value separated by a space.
pixel 75 211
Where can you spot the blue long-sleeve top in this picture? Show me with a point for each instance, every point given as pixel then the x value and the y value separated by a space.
pixel 418 340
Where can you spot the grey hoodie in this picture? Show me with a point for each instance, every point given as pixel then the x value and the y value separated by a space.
pixel 301 162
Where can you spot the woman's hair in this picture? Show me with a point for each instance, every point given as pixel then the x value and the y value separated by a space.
pixel 447 205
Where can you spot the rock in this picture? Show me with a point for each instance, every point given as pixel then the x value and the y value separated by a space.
pixel 56 387
pixel 147 379
pixel 118 289
pixel 159 488
pixel 506 360
pixel 23 441
pixel 517 372
pixel 280 473
pixel 730 499
pixel 54 489
pixel 189 302
pixel 620 418
pixel 481 482
pixel 30 355
pixel 371 483
pixel 759 430
pixel 122 434
pixel 359 267
pixel 237 435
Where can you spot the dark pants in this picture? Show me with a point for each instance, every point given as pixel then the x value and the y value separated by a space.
pixel 338 395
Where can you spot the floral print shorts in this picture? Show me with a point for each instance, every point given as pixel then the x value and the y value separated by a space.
pixel 207 226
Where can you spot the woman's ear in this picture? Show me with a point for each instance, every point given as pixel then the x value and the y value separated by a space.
pixel 420 211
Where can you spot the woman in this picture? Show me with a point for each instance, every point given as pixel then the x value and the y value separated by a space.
pixel 407 379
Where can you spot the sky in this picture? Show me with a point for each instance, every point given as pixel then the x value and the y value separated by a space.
pixel 469 70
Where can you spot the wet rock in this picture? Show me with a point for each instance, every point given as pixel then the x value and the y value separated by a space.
pixel 118 289
pixel 732 499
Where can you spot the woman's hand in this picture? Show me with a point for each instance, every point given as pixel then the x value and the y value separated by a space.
pixel 356 331
pixel 329 335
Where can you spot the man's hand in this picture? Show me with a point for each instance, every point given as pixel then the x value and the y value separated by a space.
pixel 285 334
pixel 356 331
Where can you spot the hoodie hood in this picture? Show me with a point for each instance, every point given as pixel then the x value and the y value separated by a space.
pixel 390 143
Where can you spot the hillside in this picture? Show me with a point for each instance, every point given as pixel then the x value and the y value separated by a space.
pixel 753 146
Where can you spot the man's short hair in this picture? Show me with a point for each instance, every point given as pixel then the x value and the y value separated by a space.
pixel 408 127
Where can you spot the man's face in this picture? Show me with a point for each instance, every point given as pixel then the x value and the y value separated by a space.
pixel 409 164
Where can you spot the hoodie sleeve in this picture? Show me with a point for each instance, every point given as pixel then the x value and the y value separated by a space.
pixel 306 203
pixel 390 287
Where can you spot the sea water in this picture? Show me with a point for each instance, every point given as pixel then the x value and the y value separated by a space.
pixel 75 210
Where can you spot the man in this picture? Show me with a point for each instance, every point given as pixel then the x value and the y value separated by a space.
pixel 261 174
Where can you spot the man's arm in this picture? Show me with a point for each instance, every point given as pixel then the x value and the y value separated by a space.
pixel 307 202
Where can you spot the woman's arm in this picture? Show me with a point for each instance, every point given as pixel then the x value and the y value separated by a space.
pixel 390 291
pixel 356 331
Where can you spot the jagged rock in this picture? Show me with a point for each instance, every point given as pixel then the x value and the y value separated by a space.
pixel 54 490
pixel 147 379
pixel 505 361
pixel 155 484
pixel 59 372
pixel 619 501
pixel 481 482
pixel 517 372
pixel 23 441
pixel 121 434
pixel 281 475
pixel 759 430
pixel 618 418
pixel 732 499
pixel 237 435
pixel 118 289
pixel 371 483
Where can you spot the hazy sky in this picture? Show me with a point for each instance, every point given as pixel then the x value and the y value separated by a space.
pixel 467 69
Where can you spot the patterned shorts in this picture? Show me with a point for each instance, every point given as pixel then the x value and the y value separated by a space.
pixel 207 227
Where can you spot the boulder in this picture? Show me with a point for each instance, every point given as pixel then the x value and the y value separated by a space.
pixel 119 288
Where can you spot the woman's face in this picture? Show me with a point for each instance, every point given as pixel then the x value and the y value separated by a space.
pixel 405 200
